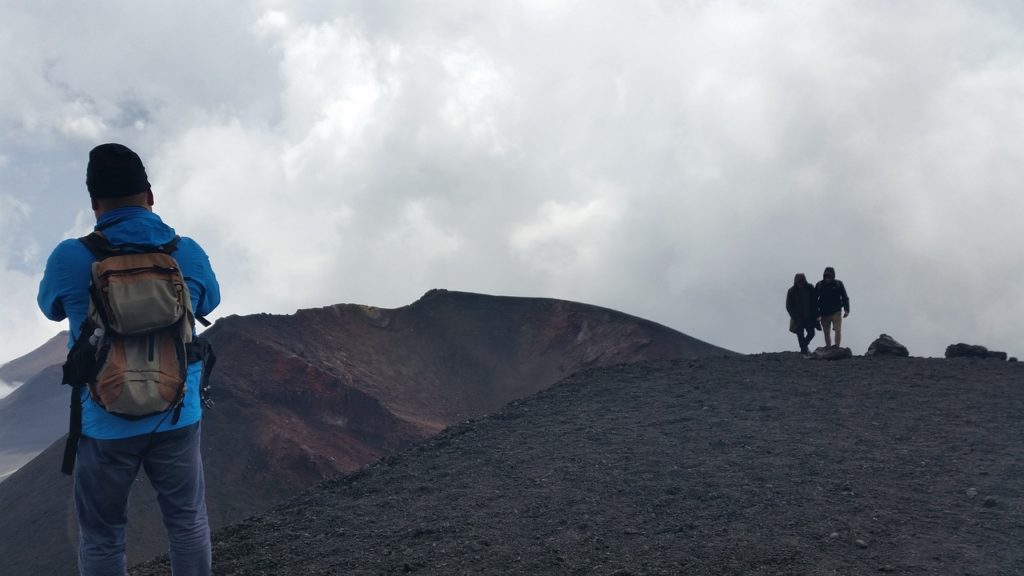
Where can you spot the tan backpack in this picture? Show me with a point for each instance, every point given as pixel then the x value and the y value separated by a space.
pixel 134 348
pixel 142 316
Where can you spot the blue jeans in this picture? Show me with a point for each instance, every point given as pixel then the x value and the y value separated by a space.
pixel 104 473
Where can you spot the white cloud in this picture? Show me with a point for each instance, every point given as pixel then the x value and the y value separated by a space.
pixel 418 235
pixel 679 161
pixel 80 122
pixel 12 211
pixel 85 221
pixel 565 236
pixel 477 91
pixel 272 22
pixel 24 326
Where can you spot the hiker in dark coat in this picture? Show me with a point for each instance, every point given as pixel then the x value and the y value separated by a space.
pixel 832 299
pixel 802 306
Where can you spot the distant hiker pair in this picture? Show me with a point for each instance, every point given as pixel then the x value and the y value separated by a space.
pixel 817 307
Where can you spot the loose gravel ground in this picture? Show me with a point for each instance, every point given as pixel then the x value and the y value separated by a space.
pixel 758 465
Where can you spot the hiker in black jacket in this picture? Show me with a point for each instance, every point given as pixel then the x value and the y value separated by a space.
pixel 802 306
pixel 832 298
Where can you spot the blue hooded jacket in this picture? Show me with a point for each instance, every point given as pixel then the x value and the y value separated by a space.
pixel 64 293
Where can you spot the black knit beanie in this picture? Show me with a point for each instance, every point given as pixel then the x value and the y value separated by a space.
pixel 115 171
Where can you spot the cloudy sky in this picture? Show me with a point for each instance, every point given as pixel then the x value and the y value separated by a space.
pixel 679 161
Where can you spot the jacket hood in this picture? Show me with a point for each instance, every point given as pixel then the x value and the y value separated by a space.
pixel 136 225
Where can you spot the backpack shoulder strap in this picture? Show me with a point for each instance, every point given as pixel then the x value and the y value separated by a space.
pixel 101 247
pixel 169 247
pixel 98 244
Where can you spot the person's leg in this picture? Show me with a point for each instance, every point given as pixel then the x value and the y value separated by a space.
pixel 810 336
pixel 838 323
pixel 803 339
pixel 104 473
pixel 175 468
pixel 826 325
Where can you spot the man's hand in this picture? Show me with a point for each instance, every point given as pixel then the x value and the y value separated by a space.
pixel 845 314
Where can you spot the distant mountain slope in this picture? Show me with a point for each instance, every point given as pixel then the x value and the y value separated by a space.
pixel 31 417
pixel 304 397
pixel 37 411
pixel 754 466
pixel 51 352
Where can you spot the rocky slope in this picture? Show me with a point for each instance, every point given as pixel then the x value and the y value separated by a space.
pixel 31 417
pixel 49 353
pixel 761 465
pixel 304 397
pixel 35 413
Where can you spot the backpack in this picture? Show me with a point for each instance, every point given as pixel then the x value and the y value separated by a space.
pixel 134 348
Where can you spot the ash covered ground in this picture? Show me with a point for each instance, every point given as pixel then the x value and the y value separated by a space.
pixel 756 465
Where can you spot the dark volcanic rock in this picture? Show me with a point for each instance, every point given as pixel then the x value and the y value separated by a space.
pixel 886 345
pixel 305 397
pixel 756 466
pixel 833 353
pixel 962 350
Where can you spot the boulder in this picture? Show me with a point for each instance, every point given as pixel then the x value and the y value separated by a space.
pixel 886 345
pixel 832 354
pixel 962 350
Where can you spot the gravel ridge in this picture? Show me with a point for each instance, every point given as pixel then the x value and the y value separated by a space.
pixel 756 465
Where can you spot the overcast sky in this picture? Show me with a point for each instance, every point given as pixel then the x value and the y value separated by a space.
pixel 679 161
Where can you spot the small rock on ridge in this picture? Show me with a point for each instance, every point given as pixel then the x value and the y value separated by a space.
pixel 833 353
pixel 962 350
pixel 886 345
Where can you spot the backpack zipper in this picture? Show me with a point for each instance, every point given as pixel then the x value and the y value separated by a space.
pixel 126 271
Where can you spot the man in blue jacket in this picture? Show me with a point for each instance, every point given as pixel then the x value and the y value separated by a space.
pixel 112 449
